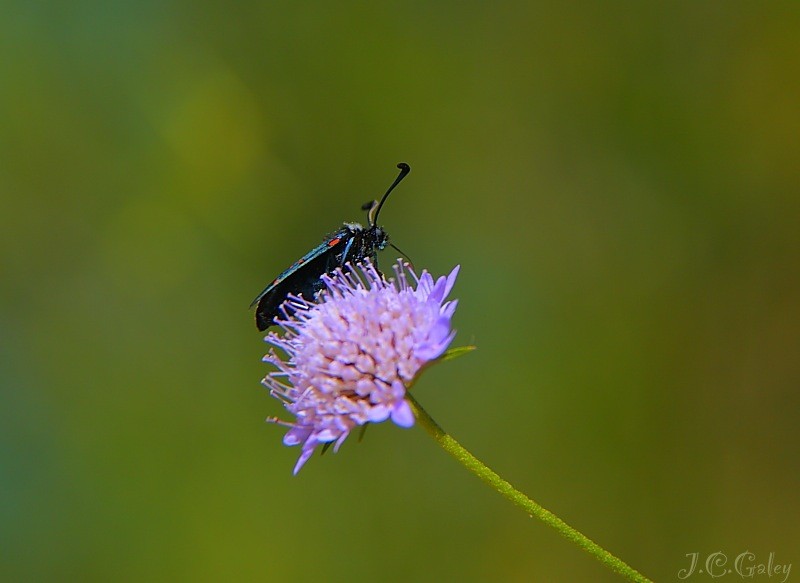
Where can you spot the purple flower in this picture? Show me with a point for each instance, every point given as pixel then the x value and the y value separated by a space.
pixel 350 354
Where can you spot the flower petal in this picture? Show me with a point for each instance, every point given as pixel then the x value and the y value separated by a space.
pixel 402 414
pixel 304 455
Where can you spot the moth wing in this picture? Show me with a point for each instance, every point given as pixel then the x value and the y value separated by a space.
pixel 301 278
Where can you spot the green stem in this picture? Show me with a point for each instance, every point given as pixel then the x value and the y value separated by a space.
pixel 478 468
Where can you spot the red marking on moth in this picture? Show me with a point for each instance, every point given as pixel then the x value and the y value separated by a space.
pixel 301 261
pixel 333 242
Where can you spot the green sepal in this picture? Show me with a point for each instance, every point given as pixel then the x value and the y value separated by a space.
pixel 452 353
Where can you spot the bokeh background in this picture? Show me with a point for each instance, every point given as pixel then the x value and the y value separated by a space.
pixel 619 182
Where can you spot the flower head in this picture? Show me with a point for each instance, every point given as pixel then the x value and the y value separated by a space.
pixel 350 353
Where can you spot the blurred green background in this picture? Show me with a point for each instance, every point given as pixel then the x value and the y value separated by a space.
pixel 619 182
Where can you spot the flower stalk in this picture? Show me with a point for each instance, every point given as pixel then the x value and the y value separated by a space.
pixel 505 489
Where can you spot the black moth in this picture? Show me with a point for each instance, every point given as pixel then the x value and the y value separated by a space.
pixel 351 243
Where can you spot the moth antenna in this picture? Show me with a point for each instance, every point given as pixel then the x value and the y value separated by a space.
pixel 376 208
pixel 368 206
